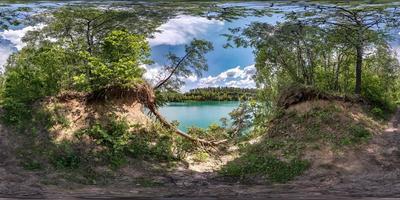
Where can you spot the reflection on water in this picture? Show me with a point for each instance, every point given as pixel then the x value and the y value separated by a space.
pixel 199 114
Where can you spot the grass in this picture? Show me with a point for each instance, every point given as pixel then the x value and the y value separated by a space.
pixel 269 166
pixel 201 156
pixel 278 156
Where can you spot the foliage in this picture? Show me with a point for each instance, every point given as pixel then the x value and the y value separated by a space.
pixel 122 140
pixel 119 141
pixel 201 156
pixel 325 51
pixel 242 118
pixel 85 27
pixel 275 169
pixel 116 65
pixel 214 132
pixel 193 62
pixel 210 94
pixel 65 156
pixel 278 155
pixel 31 75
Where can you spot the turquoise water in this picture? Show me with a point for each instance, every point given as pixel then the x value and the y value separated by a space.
pixel 199 114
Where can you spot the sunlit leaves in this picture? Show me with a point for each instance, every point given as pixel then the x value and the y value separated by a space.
pixel 117 64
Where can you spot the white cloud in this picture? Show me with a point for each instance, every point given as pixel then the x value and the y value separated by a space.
pixel 151 72
pixel 192 78
pixel 397 52
pixel 4 54
pixel 234 77
pixel 154 73
pixel 14 39
pixel 182 29
pixel 15 36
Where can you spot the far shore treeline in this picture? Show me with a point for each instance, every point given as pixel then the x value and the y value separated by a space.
pixel 211 94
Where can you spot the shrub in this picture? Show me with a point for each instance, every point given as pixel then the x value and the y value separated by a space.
pixel 65 156
pixel 120 139
pixel 378 113
pixel 31 74
pixel 117 63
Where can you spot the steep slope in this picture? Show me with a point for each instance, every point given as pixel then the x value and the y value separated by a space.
pixel 322 139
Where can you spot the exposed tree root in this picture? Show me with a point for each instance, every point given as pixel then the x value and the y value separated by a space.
pixel 183 134
pixel 298 93
pixel 145 95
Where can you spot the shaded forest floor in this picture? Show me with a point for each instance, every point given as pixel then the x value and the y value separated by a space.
pixel 377 165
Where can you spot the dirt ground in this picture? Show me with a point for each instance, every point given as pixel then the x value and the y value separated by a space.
pixel 370 173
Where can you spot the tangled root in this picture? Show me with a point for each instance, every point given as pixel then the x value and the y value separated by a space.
pixel 296 94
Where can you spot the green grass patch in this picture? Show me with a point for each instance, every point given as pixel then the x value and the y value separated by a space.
pixel 268 166
pixel 278 157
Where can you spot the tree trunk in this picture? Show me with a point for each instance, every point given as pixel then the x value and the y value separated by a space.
pixel 359 62
pixel 147 98
pixel 337 73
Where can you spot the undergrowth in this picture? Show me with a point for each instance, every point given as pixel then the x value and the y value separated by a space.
pixel 278 156
pixel 111 144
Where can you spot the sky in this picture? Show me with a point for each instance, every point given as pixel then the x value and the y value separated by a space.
pixel 233 67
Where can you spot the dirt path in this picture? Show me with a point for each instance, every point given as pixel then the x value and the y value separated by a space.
pixel 370 173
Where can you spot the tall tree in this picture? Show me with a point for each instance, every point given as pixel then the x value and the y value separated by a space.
pixel 358 27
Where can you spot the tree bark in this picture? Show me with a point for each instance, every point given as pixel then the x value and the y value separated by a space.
pixel 359 61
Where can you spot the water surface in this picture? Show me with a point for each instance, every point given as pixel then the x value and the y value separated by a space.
pixel 199 114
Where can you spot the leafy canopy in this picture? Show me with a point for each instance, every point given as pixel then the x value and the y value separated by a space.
pixel 117 64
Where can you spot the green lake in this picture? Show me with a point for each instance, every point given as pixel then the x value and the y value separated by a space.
pixel 199 114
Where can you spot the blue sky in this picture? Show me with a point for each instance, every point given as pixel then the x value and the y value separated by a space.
pixel 227 67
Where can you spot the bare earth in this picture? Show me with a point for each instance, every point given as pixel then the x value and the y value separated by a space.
pixel 369 173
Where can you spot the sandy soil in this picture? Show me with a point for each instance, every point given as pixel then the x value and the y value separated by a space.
pixel 369 173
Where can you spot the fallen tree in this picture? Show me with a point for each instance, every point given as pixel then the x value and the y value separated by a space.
pixel 145 95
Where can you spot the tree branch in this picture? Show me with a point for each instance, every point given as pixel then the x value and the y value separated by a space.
pixel 162 82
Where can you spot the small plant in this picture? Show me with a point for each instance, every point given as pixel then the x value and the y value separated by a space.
pixel 65 157
pixel 268 166
pixel 201 156
pixel 357 134
pixel 378 113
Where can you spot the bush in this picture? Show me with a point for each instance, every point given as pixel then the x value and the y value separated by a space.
pixel 120 139
pixel 66 156
pixel 117 63
pixel 378 113
pixel 31 75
